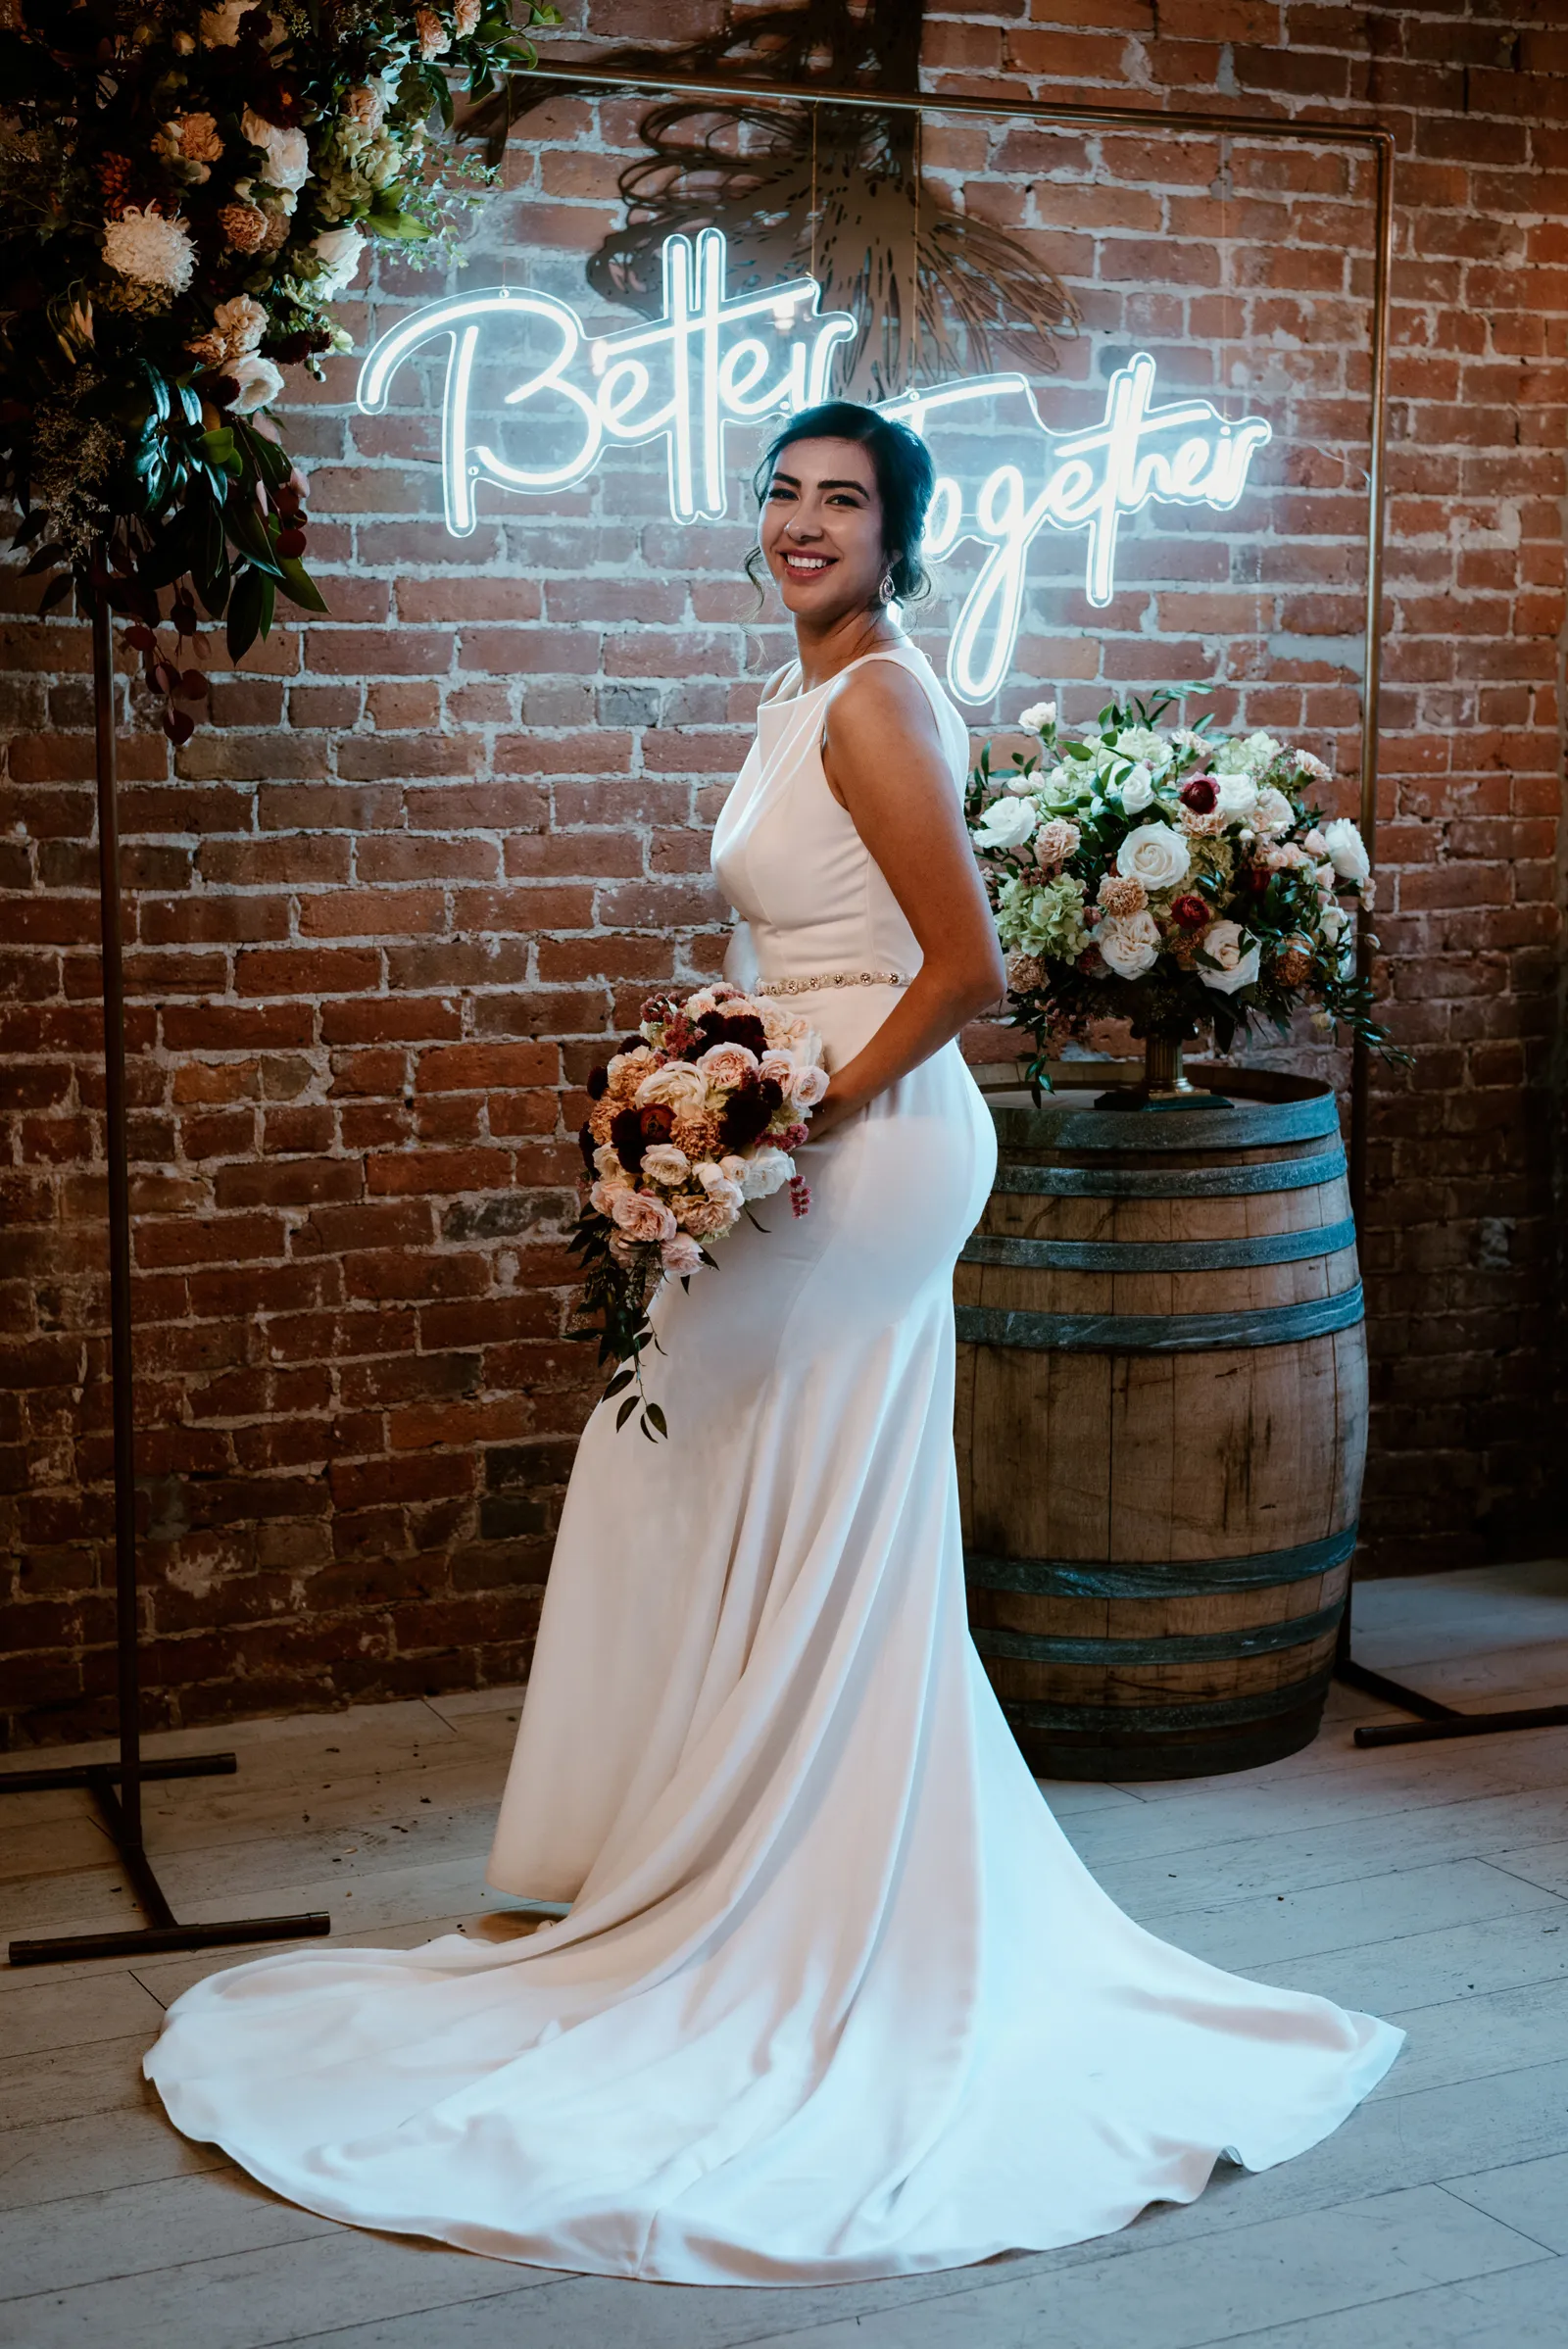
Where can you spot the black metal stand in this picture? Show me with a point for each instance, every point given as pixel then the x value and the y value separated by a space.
pixel 1433 1720
pixel 116 1789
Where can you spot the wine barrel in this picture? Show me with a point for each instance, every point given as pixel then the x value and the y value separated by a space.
pixel 1161 1426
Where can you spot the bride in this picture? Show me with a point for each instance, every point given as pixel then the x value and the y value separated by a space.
pixel 835 1999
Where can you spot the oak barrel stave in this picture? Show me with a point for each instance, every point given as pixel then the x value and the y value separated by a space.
pixel 1162 1390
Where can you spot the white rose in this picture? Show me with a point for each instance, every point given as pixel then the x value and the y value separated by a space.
pixel 1333 920
pixel 766 1170
pixel 732 1166
pixel 259 382
pixel 339 251
pixel 1130 943
pixel 665 1163
pixel 1137 789
pixel 1237 968
pixel 1273 812
pixel 679 1085
pixel 1038 716
pixel 807 1087
pixel 287 152
pixel 717 1184
pixel 1154 854
pixel 1007 824
pixel 1347 850
pixel 1238 794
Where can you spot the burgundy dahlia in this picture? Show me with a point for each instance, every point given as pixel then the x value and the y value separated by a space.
pixel 1201 794
pixel 1192 912
pixel 598 1083
pixel 626 1139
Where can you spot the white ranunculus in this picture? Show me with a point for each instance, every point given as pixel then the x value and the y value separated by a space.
pixel 339 251
pixel 287 152
pixel 1237 964
pixel 1273 813
pixel 1007 823
pixel 259 382
pixel 1130 944
pixel 1347 850
pixel 680 1085
pixel 1038 716
pixel 149 250
pixel 1238 794
pixel 1154 854
pixel 1137 789
pixel 766 1170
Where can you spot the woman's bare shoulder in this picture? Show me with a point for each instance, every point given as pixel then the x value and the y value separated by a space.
pixel 882 697
pixel 770 689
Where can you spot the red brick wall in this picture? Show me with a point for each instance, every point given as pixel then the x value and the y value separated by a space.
pixel 436 846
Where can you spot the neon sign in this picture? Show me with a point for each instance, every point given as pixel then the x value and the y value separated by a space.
pixel 711 361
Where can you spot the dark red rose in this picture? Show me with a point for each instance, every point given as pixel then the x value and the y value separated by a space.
pixel 1201 795
pixel 587 1146
pixel 598 1084
pixel 626 1139
pixel 657 1122
pixel 1191 912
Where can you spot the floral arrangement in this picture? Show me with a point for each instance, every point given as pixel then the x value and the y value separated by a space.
pixel 692 1118
pixel 1174 877
pixel 185 190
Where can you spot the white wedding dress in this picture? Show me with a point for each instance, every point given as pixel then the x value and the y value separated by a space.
pixel 836 1998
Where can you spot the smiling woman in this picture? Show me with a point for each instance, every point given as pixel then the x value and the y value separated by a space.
pixel 834 1997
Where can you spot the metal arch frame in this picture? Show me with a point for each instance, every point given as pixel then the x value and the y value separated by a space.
pixel 1435 1720
pixel 1182 122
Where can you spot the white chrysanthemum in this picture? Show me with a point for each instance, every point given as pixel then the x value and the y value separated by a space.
pixel 149 250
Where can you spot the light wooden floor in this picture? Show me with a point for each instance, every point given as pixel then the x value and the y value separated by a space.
pixel 1427 1883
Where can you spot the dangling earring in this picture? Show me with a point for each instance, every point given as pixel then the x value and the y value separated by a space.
pixel 885 588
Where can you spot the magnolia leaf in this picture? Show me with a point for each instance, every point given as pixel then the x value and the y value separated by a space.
pixel 298 585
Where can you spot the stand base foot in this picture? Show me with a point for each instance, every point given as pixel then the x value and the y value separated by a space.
pixel 164 1930
pixel 1435 1721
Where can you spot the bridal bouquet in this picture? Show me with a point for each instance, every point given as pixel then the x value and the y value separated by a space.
pixel 692 1118
pixel 1170 876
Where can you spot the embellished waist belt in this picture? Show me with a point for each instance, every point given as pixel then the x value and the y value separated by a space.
pixel 830 978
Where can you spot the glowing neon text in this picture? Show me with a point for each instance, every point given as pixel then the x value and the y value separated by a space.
pixel 711 362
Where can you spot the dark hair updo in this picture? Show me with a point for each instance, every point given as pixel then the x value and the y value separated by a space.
pixel 905 478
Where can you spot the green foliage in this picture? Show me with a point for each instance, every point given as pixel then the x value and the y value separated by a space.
pixel 185 191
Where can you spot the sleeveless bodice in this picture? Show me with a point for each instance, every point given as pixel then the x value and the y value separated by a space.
pixel 787 857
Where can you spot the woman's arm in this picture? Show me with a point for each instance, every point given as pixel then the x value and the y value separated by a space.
pixel 884 761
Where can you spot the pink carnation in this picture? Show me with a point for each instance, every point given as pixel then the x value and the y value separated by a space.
pixel 1057 841
pixel 1122 897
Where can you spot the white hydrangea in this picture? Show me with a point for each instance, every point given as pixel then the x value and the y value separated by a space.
pixel 1143 742
pixel 1250 758
pixel 149 250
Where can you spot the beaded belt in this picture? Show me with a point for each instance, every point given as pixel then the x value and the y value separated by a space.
pixel 830 978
